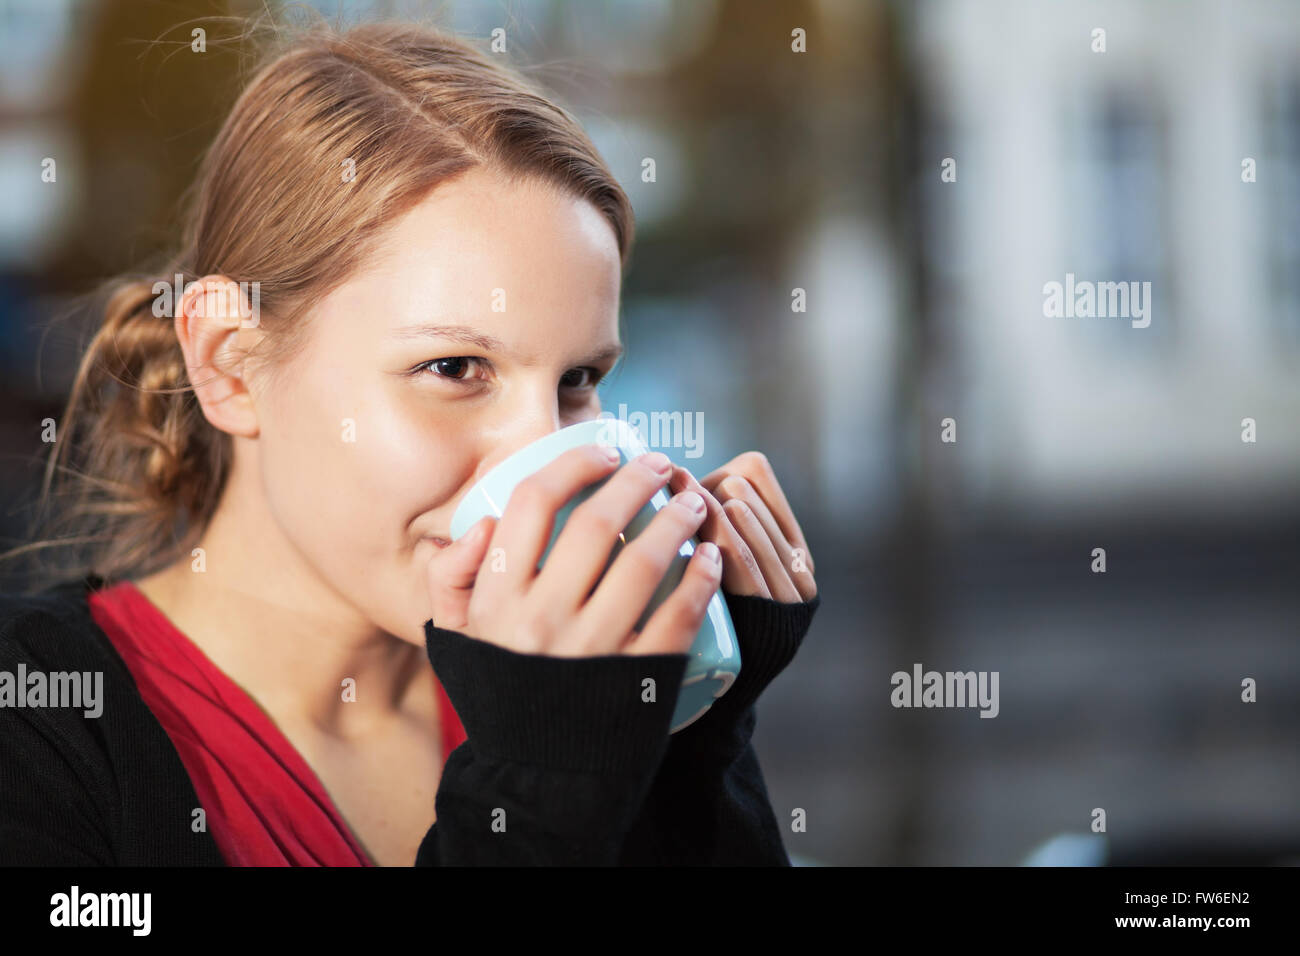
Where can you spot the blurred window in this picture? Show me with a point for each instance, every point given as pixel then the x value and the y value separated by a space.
pixel 1118 228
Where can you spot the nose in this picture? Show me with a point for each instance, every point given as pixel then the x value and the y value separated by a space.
pixel 523 427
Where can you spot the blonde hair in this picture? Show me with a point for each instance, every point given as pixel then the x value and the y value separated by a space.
pixel 137 472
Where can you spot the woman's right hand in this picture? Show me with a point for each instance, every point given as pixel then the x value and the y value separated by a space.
pixel 554 611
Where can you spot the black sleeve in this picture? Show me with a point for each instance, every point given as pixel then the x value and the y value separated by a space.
pixel 559 755
pixel 46 817
pixel 708 804
pixel 50 773
pixel 567 764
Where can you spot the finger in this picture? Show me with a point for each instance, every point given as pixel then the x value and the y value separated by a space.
pixel 757 470
pixel 756 536
pixel 711 480
pixel 529 515
pixel 755 467
pixel 740 571
pixel 582 549
pixel 738 488
pixel 452 572
pixel 637 573
pixel 674 624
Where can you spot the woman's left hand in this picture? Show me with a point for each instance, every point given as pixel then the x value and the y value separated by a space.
pixel 763 549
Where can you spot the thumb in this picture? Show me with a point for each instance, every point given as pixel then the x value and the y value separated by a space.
pixel 452 573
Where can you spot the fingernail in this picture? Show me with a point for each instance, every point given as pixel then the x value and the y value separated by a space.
pixel 691 500
pixel 612 453
pixel 710 552
pixel 739 505
pixel 657 462
pixel 734 485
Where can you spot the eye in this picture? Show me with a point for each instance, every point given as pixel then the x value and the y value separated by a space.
pixel 593 377
pixel 454 367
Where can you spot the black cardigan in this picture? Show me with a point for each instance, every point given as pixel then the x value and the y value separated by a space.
pixel 563 751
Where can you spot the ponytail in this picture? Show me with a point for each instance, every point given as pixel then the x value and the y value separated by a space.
pixel 135 469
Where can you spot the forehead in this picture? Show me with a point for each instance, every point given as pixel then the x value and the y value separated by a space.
pixel 482 249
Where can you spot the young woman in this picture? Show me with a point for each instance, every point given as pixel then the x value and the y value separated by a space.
pixel 427 257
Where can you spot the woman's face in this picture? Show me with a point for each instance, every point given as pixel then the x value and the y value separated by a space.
pixel 483 323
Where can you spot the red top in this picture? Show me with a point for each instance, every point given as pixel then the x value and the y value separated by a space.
pixel 264 804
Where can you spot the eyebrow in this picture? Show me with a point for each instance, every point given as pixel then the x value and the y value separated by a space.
pixel 489 343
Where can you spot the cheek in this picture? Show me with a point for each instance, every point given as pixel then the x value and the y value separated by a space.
pixel 308 441
pixel 416 454
pixel 347 466
pixel 350 465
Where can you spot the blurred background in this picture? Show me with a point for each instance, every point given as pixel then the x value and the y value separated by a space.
pixel 854 238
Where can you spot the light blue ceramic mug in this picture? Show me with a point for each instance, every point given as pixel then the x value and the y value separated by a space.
pixel 714 656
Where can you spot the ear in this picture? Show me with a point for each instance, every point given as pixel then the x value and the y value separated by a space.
pixel 213 327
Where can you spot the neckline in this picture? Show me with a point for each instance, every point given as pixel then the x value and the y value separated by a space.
pixel 249 710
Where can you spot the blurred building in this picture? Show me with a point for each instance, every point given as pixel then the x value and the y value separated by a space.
pixel 1115 166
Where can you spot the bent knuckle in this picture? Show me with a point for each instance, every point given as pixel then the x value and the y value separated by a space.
pixel 755 463
pixel 644 559
pixel 533 633
pixel 596 520
pixel 737 486
pixel 748 560
pixel 688 612
pixel 529 639
pixel 534 492
pixel 473 622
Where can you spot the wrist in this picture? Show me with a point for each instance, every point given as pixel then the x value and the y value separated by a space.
pixel 586 714
pixel 769 634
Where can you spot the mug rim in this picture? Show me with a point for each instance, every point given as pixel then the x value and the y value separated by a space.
pixel 566 438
